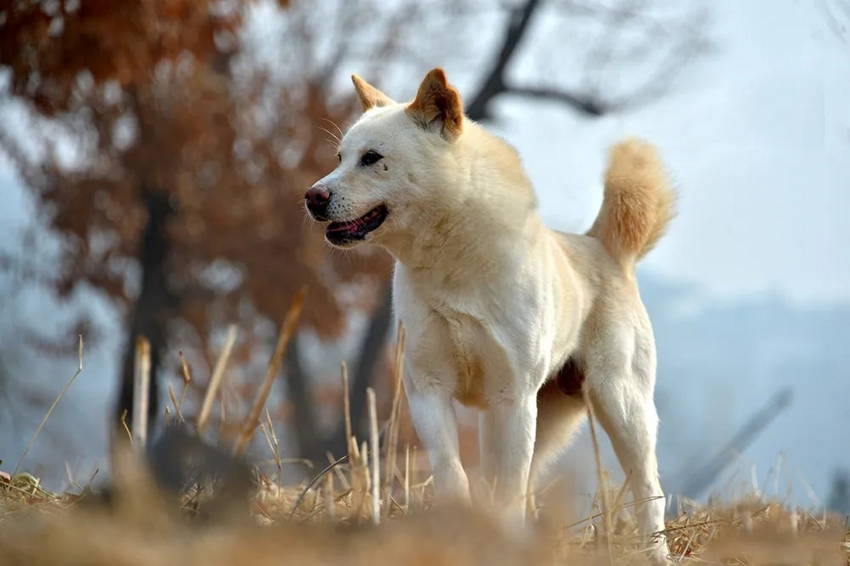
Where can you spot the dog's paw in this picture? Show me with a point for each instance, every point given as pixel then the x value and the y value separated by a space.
pixel 659 553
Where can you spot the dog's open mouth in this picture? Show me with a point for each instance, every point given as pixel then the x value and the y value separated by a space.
pixel 355 230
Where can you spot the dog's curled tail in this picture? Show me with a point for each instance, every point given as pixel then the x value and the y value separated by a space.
pixel 638 205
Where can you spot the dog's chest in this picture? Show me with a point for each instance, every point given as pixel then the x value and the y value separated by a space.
pixel 458 338
pixel 465 342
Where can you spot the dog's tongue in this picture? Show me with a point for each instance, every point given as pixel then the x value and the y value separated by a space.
pixel 357 229
pixel 349 228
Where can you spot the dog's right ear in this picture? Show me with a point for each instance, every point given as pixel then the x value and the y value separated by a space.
pixel 370 97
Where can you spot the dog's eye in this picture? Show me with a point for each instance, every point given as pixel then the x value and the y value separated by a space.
pixel 370 157
pixel 339 157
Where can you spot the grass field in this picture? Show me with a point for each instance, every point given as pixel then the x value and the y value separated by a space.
pixel 336 519
pixel 189 502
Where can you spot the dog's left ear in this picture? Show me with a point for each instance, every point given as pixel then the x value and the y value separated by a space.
pixel 438 102
pixel 370 97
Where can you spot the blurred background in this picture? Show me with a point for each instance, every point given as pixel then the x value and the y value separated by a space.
pixel 154 155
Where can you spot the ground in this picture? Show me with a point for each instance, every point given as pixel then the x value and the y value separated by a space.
pixel 331 521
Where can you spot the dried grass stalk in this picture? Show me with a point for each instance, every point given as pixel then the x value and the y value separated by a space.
pixel 287 330
pixel 215 380
pixel 53 406
pixel 376 457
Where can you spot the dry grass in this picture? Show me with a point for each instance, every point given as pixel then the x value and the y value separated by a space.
pixel 331 521
pixel 370 507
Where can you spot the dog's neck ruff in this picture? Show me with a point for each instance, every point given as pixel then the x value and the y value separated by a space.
pixel 468 247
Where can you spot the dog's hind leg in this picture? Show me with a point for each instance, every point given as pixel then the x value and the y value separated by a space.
pixel 558 417
pixel 622 401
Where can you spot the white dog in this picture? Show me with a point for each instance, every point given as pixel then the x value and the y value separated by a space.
pixel 502 313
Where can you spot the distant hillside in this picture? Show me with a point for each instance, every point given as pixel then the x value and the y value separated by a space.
pixel 720 361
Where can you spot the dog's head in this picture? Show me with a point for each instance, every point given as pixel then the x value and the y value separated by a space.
pixel 394 163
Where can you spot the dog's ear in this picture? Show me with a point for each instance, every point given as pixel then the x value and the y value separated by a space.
pixel 438 102
pixel 370 97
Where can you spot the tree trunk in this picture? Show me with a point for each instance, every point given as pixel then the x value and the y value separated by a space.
pixel 304 415
pixel 494 83
pixel 373 346
pixel 312 445
pixel 151 310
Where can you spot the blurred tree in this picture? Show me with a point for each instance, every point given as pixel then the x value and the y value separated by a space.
pixel 180 196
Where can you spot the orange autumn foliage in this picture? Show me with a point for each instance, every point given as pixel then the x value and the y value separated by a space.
pixel 157 101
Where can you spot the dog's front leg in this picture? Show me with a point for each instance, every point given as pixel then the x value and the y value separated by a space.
pixel 435 422
pixel 512 426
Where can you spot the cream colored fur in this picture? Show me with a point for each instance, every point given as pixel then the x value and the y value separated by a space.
pixel 495 303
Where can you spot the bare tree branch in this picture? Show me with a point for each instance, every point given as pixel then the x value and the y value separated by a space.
pixel 599 57
pixel 330 68
pixel 298 384
pixel 581 103
pixel 837 16
pixel 686 42
pixel 494 83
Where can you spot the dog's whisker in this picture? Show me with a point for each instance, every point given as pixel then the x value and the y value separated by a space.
pixel 336 141
pixel 334 124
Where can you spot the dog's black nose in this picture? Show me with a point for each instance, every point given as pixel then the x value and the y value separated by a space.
pixel 317 198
